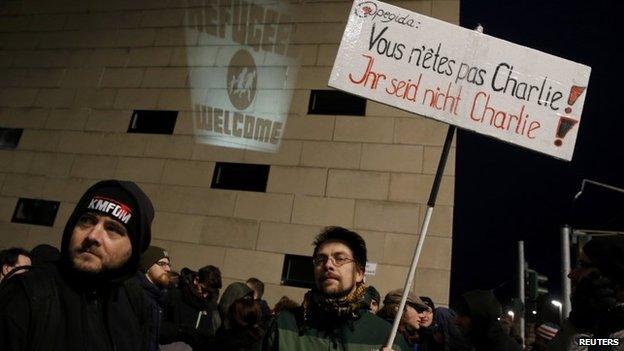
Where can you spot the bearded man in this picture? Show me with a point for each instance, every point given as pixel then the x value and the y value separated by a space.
pixel 334 315
pixel 153 276
pixel 87 300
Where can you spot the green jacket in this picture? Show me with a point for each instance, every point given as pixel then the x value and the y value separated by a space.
pixel 367 333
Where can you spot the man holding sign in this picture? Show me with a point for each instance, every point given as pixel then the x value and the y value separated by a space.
pixel 461 77
pixel 334 314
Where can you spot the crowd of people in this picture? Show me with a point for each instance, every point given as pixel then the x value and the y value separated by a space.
pixel 107 289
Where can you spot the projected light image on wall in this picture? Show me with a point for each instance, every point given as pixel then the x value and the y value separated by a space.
pixel 244 70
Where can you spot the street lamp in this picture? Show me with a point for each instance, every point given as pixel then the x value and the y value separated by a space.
pixel 511 314
pixel 559 306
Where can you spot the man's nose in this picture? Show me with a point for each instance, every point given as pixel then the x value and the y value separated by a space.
pixel 97 233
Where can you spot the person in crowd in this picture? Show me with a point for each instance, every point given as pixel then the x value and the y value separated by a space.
pixel 192 308
pixel 410 319
pixel 87 300
pixel 477 317
pixel 438 330
pixel 154 278
pixel 233 292
pixel 174 279
pixel 429 336
pixel 242 328
pixel 597 296
pixel 510 327
pixel 210 282
pixel 333 314
pixel 45 254
pixel 257 286
pixel 427 317
pixel 372 299
pixel 13 261
pixel 284 303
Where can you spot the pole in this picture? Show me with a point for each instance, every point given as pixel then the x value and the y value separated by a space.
pixel 521 295
pixel 423 232
pixel 565 270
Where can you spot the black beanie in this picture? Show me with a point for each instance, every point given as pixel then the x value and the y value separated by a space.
pixel 372 294
pixel 44 253
pixel 607 254
pixel 152 255
pixel 115 202
pixel 123 201
pixel 429 302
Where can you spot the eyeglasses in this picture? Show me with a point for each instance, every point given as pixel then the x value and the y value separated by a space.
pixel 337 261
pixel 163 264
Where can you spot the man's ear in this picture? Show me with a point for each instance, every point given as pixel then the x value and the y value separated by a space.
pixel 6 269
pixel 359 274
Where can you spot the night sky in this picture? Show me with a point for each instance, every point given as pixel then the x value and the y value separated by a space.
pixel 505 193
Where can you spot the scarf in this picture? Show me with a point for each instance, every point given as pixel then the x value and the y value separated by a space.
pixel 327 314
pixel 341 308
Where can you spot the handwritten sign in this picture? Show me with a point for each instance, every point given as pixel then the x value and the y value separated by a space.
pixel 461 77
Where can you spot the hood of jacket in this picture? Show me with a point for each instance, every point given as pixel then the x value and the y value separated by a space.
pixel 232 293
pixel 139 235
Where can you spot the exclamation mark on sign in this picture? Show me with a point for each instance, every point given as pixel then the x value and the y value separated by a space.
pixel 566 123
pixel 575 92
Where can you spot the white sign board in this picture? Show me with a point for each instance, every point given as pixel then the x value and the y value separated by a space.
pixel 371 269
pixel 461 77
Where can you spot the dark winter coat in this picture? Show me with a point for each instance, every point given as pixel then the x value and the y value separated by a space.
pixel 444 324
pixel 366 332
pixel 43 310
pixel 235 340
pixel 155 299
pixel 196 318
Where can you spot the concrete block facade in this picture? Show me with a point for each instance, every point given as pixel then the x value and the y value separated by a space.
pixel 72 72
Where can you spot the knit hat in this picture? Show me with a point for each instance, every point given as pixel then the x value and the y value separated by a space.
pixel 44 253
pixel 394 297
pixel 428 301
pixel 113 201
pixel 125 202
pixel 372 294
pixel 152 255
pixel 607 254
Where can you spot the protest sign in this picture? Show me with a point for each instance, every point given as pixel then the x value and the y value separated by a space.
pixel 461 77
